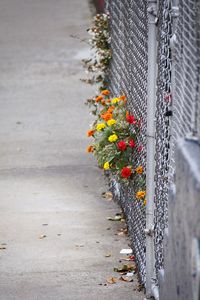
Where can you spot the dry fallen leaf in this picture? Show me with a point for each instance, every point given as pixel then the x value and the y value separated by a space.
pixel 125 268
pixel 111 280
pixel 121 233
pixel 125 259
pixel 115 218
pixel 107 195
pixel 125 278
pixel 108 255
pixel 2 247
pixel 42 236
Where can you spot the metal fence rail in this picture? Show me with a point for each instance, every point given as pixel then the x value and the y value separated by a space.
pixel 163 131
pixel 177 111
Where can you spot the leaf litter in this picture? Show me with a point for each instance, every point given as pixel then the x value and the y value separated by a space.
pixel 122 232
pixel 42 236
pixel 2 247
pixel 108 255
pixel 117 217
pixel 125 268
pixel 112 280
pixel 107 195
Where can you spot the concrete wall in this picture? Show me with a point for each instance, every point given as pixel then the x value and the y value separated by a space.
pixel 180 280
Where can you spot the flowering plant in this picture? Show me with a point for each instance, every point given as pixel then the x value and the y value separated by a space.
pixel 100 44
pixel 115 133
pixel 98 63
pixel 115 129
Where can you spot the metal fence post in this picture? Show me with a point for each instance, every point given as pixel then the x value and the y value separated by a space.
pixel 151 289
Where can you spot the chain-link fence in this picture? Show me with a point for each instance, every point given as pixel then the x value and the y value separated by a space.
pixel 128 75
pixel 186 73
pixel 177 101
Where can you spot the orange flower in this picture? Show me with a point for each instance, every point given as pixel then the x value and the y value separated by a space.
pixel 99 98
pixel 123 97
pixel 105 92
pixel 127 114
pixel 90 149
pixel 103 102
pixel 110 109
pixel 140 194
pixel 107 116
pixel 108 101
pixel 90 133
pixel 139 170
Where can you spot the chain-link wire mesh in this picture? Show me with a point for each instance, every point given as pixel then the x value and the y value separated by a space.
pixel 177 108
pixel 186 61
pixel 163 120
pixel 197 123
pixel 128 75
pixel 180 117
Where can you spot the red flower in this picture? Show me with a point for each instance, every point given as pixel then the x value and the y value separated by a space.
pixel 126 172
pixel 132 143
pixel 140 148
pixel 130 119
pixel 121 145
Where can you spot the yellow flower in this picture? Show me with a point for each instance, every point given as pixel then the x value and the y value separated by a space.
pixel 139 170
pixel 145 202
pixel 111 122
pixel 112 138
pixel 140 194
pixel 100 126
pixel 106 166
pixel 115 100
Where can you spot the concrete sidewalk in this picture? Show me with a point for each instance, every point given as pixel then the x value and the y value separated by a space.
pixel 52 217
